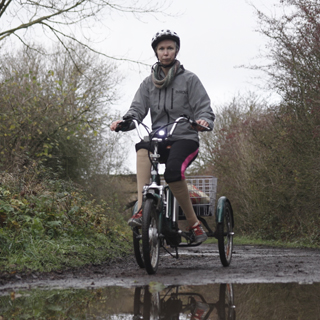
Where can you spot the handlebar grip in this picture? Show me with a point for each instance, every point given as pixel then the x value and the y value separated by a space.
pixel 118 127
pixel 123 126
pixel 204 127
pixel 197 126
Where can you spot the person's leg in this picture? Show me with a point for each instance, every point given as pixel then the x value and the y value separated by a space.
pixel 143 172
pixel 143 178
pixel 182 153
pixel 181 192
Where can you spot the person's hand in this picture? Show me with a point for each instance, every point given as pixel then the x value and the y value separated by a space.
pixel 114 124
pixel 202 123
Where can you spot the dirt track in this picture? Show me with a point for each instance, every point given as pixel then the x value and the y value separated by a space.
pixel 198 265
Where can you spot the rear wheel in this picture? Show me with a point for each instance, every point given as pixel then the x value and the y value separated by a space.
pixel 137 240
pixel 150 237
pixel 225 236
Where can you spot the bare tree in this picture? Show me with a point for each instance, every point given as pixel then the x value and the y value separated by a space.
pixel 266 157
pixel 293 52
pixel 51 110
pixel 66 20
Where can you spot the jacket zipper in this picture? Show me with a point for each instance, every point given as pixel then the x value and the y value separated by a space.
pixel 172 98
pixel 159 99
pixel 164 104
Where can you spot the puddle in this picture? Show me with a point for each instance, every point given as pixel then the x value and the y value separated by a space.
pixel 214 301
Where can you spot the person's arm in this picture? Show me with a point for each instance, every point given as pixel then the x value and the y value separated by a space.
pixel 200 102
pixel 140 103
pixel 138 109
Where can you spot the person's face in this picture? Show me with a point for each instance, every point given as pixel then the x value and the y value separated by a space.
pixel 166 51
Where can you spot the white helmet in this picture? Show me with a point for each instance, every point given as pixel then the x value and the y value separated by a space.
pixel 163 35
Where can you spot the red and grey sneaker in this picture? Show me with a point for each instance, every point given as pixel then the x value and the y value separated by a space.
pixel 198 233
pixel 136 219
pixel 200 311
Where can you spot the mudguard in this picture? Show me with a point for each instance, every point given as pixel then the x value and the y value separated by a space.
pixel 159 206
pixel 220 209
pixel 154 196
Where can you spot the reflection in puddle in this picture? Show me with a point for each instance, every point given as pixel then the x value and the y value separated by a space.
pixel 215 301
pixel 183 303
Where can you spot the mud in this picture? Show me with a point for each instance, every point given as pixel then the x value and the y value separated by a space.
pixel 195 266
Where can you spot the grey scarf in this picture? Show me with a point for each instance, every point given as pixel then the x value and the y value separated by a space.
pixel 160 82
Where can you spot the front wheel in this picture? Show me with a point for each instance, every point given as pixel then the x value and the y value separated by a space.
pixel 150 237
pixel 151 305
pixel 146 304
pixel 225 305
pixel 225 235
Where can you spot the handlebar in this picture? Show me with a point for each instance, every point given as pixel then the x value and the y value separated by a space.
pixel 125 124
pixel 193 123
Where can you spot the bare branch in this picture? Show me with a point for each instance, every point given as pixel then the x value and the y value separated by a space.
pixel 37 21
pixel 28 46
pixel 4 6
pixel 56 32
pixel 57 15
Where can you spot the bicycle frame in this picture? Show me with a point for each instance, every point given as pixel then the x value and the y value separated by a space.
pixel 167 205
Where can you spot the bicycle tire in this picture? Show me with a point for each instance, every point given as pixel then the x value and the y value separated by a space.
pixel 225 304
pixel 137 303
pixel 231 306
pixel 137 246
pixel 150 237
pixel 225 236
pixel 151 305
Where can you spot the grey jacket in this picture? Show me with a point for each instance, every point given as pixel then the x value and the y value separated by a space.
pixel 185 95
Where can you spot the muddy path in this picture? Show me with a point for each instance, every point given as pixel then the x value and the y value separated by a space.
pixel 195 266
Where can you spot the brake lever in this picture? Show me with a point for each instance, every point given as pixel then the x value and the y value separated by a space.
pixel 197 126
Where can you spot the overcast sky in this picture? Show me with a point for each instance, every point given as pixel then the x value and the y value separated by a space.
pixel 216 37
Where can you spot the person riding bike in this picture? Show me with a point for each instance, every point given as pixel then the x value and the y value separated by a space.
pixel 169 92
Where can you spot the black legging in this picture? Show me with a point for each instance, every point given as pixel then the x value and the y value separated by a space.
pixel 177 155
